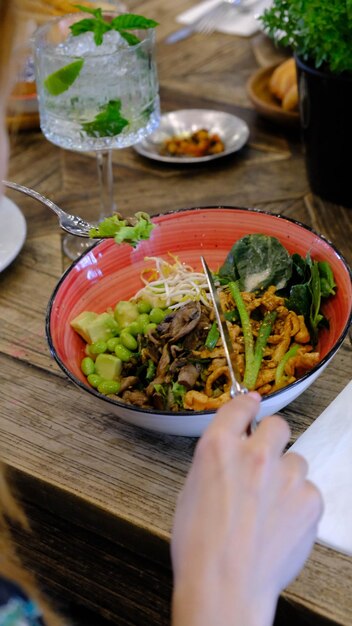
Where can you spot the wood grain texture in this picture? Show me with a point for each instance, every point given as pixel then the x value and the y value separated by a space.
pixel 100 494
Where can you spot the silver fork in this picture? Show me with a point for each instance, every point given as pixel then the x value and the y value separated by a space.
pixel 208 22
pixel 70 223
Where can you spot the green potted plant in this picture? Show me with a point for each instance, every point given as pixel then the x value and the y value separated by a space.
pixel 319 32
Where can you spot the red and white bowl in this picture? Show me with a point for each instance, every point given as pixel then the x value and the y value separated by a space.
pixel 108 273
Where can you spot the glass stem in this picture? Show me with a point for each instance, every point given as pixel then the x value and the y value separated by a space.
pixel 106 183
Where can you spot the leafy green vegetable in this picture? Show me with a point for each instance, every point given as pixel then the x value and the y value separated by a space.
pixel 257 261
pixel 150 373
pixel 315 281
pixel 178 392
pixel 327 282
pixel 253 351
pixel 212 337
pixel 319 32
pixel 122 231
pixel 121 23
pixel 108 123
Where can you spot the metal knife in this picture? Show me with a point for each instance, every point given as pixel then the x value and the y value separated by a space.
pixel 236 387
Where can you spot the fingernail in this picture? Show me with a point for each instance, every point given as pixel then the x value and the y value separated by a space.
pixel 255 395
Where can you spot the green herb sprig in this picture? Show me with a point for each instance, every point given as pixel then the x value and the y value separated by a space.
pixel 108 123
pixel 121 23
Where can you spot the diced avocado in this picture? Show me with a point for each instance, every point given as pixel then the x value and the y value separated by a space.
pixel 102 328
pixel 108 366
pixel 125 313
pixel 81 322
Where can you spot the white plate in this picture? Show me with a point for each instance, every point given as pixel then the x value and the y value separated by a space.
pixel 13 231
pixel 233 131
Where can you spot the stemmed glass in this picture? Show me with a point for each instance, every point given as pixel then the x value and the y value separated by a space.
pixel 95 97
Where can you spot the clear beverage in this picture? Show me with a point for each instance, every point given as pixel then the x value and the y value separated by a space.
pixel 114 74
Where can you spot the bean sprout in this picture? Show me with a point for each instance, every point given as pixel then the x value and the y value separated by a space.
pixel 173 284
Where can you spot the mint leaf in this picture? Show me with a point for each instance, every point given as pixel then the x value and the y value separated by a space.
pixel 129 21
pixel 99 29
pixel 83 26
pixel 131 39
pixel 108 123
pixel 96 12
pixel 120 23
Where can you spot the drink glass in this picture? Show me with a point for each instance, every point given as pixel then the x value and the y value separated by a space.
pixel 103 84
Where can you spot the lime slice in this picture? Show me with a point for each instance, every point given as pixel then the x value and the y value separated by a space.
pixel 60 81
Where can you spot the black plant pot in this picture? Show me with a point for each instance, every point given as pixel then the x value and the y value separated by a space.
pixel 325 102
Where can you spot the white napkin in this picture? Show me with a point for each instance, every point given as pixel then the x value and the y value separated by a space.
pixel 327 446
pixel 244 24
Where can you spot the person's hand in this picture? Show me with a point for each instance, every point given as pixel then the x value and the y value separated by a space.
pixel 245 522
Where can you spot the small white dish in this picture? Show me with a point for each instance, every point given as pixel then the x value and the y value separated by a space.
pixel 13 231
pixel 232 130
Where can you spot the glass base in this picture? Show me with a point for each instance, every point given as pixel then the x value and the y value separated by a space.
pixel 73 246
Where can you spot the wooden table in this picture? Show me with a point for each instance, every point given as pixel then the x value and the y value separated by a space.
pixel 100 493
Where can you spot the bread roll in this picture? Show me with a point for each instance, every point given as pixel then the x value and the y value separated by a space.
pixel 283 84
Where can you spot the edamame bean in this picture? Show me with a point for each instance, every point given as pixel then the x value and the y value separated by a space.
pixel 109 386
pixel 128 340
pixel 156 315
pixel 89 352
pixel 143 320
pixel 112 343
pixel 123 353
pixel 144 307
pixel 149 327
pixel 94 380
pixel 134 329
pixel 87 366
pixel 99 347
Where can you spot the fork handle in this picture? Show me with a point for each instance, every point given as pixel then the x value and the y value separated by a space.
pixel 180 34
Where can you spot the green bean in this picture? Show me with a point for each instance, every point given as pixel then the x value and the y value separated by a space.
pixel 99 347
pixel 87 366
pixel 94 380
pixel 123 353
pixel 128 340
pixel 108 387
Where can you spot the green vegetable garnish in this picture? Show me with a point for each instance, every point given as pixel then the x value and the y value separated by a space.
pixel 212 337
pixel 121 23
pixel 253 352
pixel 108 123
pixel 178 392
pixel 257 261
pixel 280 376
pixel 122 231
pixel 313 281
pixel 59 81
